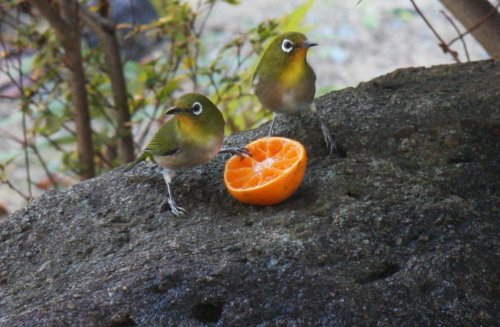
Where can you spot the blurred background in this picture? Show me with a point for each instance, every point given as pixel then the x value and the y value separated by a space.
pixel 357 42
pixel 171 47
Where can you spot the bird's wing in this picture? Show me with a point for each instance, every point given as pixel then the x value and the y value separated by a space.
pixel 165 141
pixel 257 73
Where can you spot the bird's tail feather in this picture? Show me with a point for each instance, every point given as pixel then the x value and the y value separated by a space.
pixel 134 163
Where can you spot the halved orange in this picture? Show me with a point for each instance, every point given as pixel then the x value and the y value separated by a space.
pixel 273 173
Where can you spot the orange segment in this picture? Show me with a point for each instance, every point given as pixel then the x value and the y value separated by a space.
pixel 273 173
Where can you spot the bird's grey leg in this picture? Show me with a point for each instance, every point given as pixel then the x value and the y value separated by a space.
pixel 272 125
pixel 327 136
pixel 167 176
pixel 176 210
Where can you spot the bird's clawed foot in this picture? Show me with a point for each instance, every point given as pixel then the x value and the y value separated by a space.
pixel 240 152
pixel 169 204
pixel 328 137
pixel 270 133
pixel 330 141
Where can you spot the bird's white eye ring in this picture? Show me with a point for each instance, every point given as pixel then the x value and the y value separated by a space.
pixel 287 45
pixel 197 108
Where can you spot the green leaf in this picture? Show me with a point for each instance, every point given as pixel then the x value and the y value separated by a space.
pixel 404 14
pixel 9 159
pixel 232 2
pixel 294 20
pixel 166 91
pixel 371 20
pixel 132 71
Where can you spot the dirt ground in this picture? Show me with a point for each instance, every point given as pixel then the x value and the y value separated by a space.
pixel 357 43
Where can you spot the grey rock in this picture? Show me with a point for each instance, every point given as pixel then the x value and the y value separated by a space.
pixel 403 231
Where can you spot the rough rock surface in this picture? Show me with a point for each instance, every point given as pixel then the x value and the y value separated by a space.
pixel 403 231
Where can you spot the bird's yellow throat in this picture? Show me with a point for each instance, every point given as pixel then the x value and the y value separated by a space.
pixel 191 129
pixel 294 71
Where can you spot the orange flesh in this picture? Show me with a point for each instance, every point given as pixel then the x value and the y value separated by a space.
pixel 272 174
pixel 265 164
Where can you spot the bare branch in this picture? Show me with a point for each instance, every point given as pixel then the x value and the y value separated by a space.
pixel 15 189
pixel 67 28
pixel 441 43
pixel 44 164
pixel 97 23
pixel 55 20
pixel 460 35
pixel 105 29
pixel 482 19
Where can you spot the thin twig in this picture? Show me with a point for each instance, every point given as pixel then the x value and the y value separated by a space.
pixel 7 72
pixel 8 97
pixel 442 44
pixel 472 28
pixel 44 165
pixel 35 150
pixel 61 26
pixel 56 145
pixel 144 133
pixel 68 129
pixel 8 64
pixel 11 136
pixel 24 109
pixel 8 19
pixel 15 189
pixel 108 104
pixel 214 84
pixel 104 159
pixel 205 19
pixel 452 22
pixel 194 67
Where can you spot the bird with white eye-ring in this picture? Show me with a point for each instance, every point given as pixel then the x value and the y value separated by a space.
pixel 285 83
pixel 197 108
pixel 192 137
pixel 287 45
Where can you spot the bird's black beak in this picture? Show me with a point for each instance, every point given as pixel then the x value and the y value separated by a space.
pixel 308 44
pixel 173 111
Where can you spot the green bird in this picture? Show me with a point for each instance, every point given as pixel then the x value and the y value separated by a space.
pixel 284 82
pixel 193 136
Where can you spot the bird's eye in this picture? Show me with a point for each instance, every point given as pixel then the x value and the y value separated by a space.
pixel 287 45
pixel 197 108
